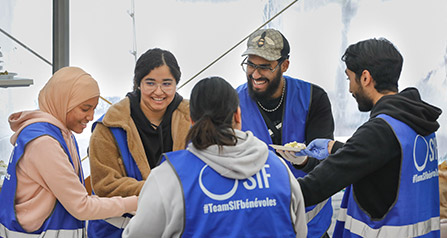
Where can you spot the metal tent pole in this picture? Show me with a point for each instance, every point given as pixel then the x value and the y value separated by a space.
pixel 61 33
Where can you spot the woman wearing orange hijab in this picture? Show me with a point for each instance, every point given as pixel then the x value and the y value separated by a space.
pixel 43 192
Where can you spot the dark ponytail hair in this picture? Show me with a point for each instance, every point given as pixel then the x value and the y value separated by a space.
pixel 213 103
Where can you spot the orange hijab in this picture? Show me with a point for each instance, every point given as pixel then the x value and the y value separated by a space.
pixel 66 89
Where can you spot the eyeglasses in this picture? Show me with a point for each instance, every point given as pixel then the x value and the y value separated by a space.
pixel 165 86
pixel 250 68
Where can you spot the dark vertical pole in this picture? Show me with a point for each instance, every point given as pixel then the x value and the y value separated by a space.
pixel 61 30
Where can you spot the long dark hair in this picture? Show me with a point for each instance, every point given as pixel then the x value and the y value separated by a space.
pixel 152 59
pixel 213 103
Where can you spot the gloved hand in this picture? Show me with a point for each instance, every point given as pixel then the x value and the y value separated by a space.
pixel 317 148
pixel 297 158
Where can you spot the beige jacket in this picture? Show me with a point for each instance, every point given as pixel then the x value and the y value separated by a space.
pixel 442 168
pixel 106 165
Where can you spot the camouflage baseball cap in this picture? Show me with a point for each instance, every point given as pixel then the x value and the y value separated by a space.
pixel 269 44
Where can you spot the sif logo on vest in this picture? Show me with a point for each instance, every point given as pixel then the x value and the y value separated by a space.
pixel 261 181
pixel 220 189
pixel 425 153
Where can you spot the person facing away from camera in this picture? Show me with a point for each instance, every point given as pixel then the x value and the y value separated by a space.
pixel 226 183
pixel 127 142
pixel 43 194
pixel 279 109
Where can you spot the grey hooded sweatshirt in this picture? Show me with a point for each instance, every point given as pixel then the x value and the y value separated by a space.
pixel 160 205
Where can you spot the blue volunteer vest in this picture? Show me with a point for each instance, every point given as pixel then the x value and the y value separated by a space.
pixel 216 206
pixel 293 129
pixel 416 211
pixel 60 222
pixel 101 228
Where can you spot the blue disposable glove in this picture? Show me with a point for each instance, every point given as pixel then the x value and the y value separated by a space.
pixel 317 148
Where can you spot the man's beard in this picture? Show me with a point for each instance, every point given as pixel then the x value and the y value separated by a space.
pixel 273 85
pixel 365 104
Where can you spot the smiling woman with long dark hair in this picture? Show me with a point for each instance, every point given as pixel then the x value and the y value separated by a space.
pixel 127 142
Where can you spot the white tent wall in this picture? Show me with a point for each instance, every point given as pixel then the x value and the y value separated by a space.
pixel 198 32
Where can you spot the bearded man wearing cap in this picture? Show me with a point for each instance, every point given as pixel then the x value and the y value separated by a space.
pixel 279 109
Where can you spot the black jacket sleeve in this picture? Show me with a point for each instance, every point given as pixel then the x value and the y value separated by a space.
pixel 320 122
pixel 370 160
